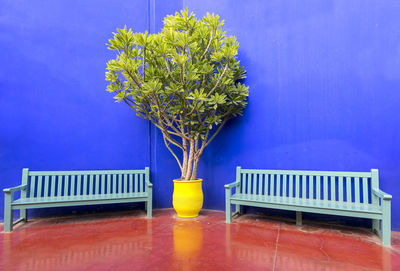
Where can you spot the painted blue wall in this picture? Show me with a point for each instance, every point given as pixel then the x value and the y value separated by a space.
pixel 54 111
pixel 324 81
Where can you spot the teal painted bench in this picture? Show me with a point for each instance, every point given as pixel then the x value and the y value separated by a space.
pixel 44 189
pixel 353 194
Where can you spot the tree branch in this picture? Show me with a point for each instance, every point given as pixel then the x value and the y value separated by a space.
pixel 219 80
pixel 172 152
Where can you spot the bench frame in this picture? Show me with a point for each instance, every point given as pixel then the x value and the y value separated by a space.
pixel 381 222
pixel 9 206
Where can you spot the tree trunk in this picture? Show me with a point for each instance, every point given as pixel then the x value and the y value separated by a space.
pixel 194 171
pixel 185 158
pixel 190 162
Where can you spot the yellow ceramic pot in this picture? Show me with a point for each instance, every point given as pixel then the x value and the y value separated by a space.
pixel 187 198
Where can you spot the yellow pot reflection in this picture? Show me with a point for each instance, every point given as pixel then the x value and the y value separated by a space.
pixel 188 238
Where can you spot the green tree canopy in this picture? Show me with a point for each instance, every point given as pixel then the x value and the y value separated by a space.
pixel 185 80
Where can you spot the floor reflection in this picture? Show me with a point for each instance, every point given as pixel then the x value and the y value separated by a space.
pixel 64 248
pixel 287 248
pixel 188 242
pixel 254 248
pixel 129 241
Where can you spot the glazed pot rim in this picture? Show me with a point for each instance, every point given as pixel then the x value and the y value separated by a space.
pixel 189 181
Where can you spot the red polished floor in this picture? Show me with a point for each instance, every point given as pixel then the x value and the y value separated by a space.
pixel 129 241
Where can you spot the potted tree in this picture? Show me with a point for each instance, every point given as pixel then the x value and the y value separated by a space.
pixel 184 80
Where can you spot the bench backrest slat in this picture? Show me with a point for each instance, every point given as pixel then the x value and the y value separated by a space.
pixel 324 188
pixel 79 187
pixel 284 186
pixel 333 188
pixel 84 183
pixel 351 187
pixel 136 180
pixel 348 189
pixel 39 187
pixel 357 197
pixel 340 188
pixel 46 186
pixel 140 183
pixel 365 190
pixel 108 178
pixel 32 185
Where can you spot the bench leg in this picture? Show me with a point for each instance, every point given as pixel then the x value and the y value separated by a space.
pixel 8 213
pixel 237 208
pixel 375 226
pixel 299 219
pixel 386 223
pixel 23 214
pixel 228 210
pixel 149 208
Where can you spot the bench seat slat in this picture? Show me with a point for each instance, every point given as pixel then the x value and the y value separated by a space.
pixel 309 203
pixel 78 198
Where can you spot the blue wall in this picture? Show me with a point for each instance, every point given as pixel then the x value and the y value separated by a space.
pixel 324 81
pixel 54 111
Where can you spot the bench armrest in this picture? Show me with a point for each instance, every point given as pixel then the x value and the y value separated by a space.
pixel 229 186
pixel 149 184
pixel 381 194
pixel 16 188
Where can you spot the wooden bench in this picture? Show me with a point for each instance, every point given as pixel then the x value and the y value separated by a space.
pixel 354 194
pixel 44 189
